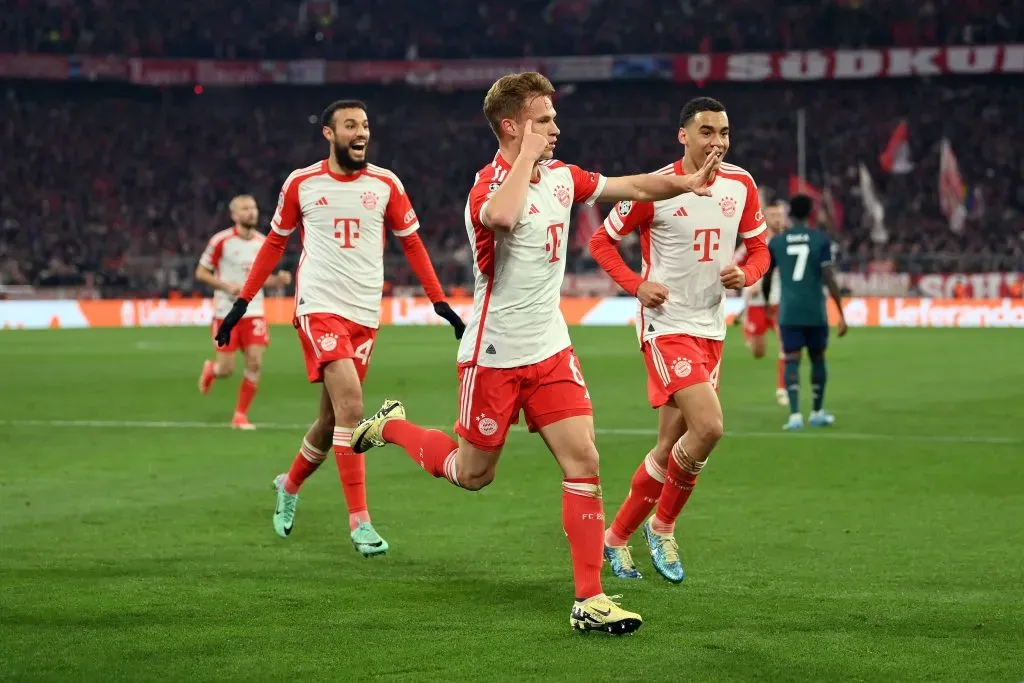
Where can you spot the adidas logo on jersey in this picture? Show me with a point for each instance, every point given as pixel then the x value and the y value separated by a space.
pixel 534 209
pixel 322 201
pixel 680 212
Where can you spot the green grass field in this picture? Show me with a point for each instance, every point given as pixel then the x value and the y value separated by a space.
pixel 137 544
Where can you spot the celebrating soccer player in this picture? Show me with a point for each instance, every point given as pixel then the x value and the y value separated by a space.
pixel 516 354
pixel 341 206
pixel 803 256
pixel 687 244
pixel 223 266
pixel 759 314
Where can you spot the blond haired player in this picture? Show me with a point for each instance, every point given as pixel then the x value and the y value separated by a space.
pixel 343 208
pixel 516 354
pixel 224 266
pixel 759 315
pixel 687 245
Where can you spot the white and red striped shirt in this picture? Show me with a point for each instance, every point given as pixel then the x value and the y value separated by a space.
pixel 230 256
pixel 342 222
pixel 686 242
pixel 516 318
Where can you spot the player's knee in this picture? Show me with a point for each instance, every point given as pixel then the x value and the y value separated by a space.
pixel 708 429
pixel 757 350
pixel 476 479
pixel 584 460
pixel 349 409
pixel 253 366
pixel 816 356
pixel 224 368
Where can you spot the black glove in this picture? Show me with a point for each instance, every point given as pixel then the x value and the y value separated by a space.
pixel 445 311
pixel 230 320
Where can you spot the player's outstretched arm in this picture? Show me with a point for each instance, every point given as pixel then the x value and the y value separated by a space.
pixel 502 211
pixel 605 252
pixel 651 187
pixel 828 274
pixel 267 258
pixel 419 259
pixel 209 278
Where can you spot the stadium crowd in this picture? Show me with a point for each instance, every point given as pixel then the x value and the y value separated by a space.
pixel 289 29
pixel 120 187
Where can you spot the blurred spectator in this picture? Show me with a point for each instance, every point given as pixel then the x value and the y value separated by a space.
pixel 124 185
pixel 286 29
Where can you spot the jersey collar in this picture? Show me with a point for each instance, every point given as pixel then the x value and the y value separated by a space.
pixel 678 167
pixel 338 176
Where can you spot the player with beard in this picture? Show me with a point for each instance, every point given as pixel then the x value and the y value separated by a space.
pixel 341 206
pixel 223 266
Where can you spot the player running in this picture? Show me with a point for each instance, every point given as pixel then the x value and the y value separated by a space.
pixel 760 315
pixel 341 206
pixel 687 245
pixel 223 266
pixel 516 354
pixel 803 256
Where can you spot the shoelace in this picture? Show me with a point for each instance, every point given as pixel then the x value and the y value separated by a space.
pixel 625 555
pixel 668 546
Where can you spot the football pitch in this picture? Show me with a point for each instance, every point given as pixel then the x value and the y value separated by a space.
pixel 136 541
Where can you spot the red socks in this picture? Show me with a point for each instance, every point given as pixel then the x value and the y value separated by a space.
pixel 352 471
pixel 305 464
pixel 431 449
pixel 644 492
pixel 246 392
pixel 679 482
pixel 583 523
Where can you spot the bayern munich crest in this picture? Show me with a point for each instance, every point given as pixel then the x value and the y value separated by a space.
pixel 328 342
pixel 486 426
pixel 682 367
pixel 563 195
pixel 369 201
pixel 728 205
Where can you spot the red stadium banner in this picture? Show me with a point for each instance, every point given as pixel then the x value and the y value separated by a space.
pixel 805 65
pixel 822 65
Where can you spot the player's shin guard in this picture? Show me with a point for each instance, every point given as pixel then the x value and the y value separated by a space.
pixel 680 479
pixel 644 491
pixel 819 375
pixel 246 392
pixel 431 449
pixel 305 464
pixel 583 523
pixel 792 372
pixel 352 471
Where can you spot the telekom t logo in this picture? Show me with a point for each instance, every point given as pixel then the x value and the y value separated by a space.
pixel 347 232
pixel 554 240
pixel 706 240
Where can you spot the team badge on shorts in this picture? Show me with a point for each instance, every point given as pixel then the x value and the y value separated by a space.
pixel 328 342
pixel 728 205
pixel 486 426
pixel 682 367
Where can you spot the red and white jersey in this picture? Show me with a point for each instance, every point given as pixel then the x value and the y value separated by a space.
pixel 754 295
pixel 341 221
pixel 685 242
pixel 516 317
pixel 230 256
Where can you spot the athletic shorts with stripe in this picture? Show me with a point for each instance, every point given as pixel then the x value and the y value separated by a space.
pixel 327 337
pixel 677 361
pixel 490 398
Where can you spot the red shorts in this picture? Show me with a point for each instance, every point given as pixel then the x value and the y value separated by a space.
pixel 490 398
pixel 759 319
pixel 327 337
pixel 248 332
pixel 677 361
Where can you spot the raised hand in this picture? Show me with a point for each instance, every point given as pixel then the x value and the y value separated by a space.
pixel 533 144
pixel 697 183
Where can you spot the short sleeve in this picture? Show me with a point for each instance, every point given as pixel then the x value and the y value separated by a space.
pixel 400 215
pixel 628 216
pixel 288 212
pixel 480 194
pixel 211 255
pixel 752 221
pixel 587 185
